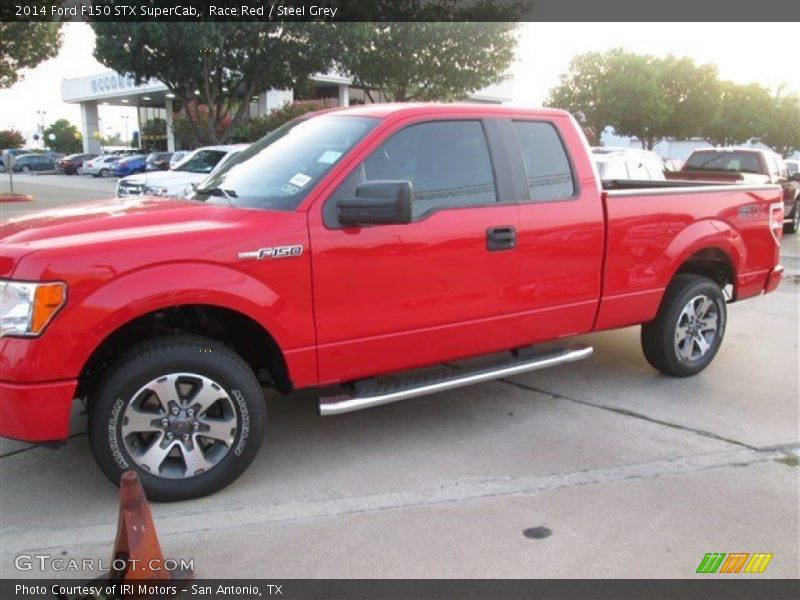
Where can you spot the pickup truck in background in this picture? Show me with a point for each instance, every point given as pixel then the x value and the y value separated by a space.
pixel 344 247
pixel 749 166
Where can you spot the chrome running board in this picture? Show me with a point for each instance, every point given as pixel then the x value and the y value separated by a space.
pixel 370 393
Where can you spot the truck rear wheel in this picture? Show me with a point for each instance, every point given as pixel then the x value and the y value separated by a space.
pixel 185 412
pixel 688 329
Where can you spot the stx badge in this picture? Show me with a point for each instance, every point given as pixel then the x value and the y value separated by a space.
pixel 276 252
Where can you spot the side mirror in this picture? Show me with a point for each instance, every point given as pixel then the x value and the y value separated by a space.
pixel 377 203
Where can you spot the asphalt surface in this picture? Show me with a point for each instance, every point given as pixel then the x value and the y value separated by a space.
pixel 602 468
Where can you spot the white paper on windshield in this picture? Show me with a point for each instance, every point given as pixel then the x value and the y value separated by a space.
pixel 300 180
pixel 329 157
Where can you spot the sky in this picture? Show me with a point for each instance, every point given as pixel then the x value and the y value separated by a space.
pixel 744 52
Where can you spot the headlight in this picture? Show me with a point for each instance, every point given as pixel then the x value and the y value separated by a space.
pixel 27 308
pixel 155 191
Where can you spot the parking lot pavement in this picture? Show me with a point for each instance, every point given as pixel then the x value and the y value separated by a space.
pixel 53 191
pixel 597 469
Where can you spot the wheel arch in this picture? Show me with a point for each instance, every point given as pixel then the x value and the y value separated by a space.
pixel 242 333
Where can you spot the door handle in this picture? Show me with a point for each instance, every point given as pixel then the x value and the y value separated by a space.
pixel 501 238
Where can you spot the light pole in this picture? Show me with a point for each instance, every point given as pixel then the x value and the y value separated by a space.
pixel 127 142
pixel 41 116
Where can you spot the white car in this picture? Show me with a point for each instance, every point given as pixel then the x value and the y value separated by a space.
pixel 628 163
pixel 177 157
pixel 179 181
pixel 100 166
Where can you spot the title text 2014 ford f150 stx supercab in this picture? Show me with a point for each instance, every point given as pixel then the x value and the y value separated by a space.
pixel 344 247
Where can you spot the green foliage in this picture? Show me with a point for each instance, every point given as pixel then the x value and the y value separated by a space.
pixel 11 138
pixel 638 95
pixel 744 114
pixel 67 137
pixel 258 127
pixel 661 98
pixel 25 45
pixel 783 128
pixel 219 65
pixel 426 61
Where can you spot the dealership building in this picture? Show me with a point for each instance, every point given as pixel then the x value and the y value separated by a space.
pixel 153 100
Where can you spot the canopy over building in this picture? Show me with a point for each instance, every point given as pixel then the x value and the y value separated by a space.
pixel 154 101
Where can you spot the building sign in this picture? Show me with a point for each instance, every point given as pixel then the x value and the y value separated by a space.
pixel 113 82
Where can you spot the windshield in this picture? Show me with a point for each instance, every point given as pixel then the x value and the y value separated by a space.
pixel 202 161
pixel 279 170
pixel 793 167
pixel 735 162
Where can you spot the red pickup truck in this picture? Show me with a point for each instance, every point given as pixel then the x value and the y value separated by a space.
pixel 344 247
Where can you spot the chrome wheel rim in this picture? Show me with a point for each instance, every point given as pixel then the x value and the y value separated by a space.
pixel 796 218
pixel 179 426
pixel 697 329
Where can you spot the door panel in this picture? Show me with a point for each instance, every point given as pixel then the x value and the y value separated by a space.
pixel 561 235
pixel 393 297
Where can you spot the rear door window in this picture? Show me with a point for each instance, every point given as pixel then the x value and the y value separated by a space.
pixel 547 166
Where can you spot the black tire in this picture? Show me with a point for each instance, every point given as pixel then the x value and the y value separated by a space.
pixel 104 173
pixel 660 337
pixel 166 357
pixel 794 225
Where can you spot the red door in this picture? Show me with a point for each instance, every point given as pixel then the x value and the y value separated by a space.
pixel 393 297
pixel 561 233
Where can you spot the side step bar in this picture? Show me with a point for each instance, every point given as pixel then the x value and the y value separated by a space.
pixel 368 394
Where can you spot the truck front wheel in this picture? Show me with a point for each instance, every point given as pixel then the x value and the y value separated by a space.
pixel 688 329
pixel 185 412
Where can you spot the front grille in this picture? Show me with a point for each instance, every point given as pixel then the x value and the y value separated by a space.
pixel 128 188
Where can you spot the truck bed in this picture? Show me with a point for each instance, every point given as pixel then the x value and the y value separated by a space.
pixel 652 226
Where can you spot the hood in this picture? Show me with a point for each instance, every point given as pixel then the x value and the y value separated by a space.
pixel 121 218
pixel 176 182
pixel 98 228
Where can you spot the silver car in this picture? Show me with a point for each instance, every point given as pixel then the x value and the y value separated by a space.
pixel 101 166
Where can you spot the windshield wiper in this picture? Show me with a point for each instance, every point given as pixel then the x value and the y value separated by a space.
pixel 229 195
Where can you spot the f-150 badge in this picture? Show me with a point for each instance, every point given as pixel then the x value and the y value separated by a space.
pixel 276 252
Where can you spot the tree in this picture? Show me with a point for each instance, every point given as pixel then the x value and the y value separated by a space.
pixel 783 124
pixel 426 61
pixel 743 114
pixel 25 45
pixel 638 95
pixel 219 65
pixel 11 138
pixel 67 138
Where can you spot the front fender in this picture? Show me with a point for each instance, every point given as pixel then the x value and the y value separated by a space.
pixel 90 317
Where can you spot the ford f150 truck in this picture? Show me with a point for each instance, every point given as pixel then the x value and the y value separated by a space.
pixel 346 247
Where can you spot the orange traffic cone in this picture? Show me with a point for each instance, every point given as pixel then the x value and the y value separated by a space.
pixel 137 556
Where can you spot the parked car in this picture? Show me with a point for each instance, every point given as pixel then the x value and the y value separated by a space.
pixel 346 246
pixel 158 161
pixel 101 166
pixel 26 163
pixel 746 165
pixel 129 165
pixel 73 164
pixel 178 182
pixel 14 152
pixel 628 163
pixel 177 157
